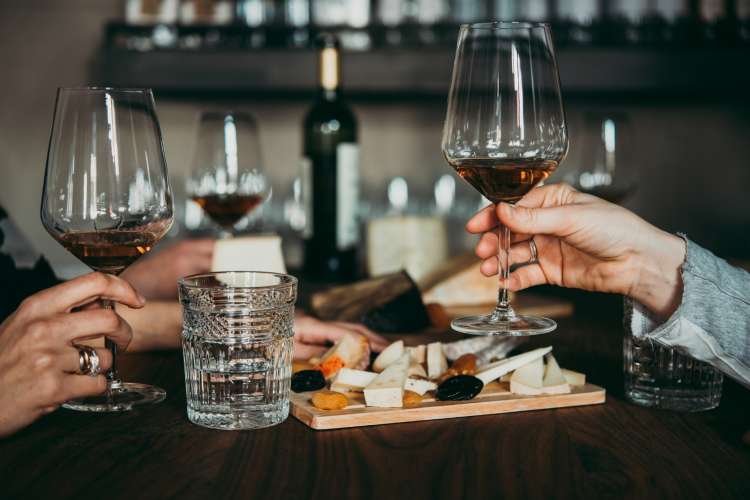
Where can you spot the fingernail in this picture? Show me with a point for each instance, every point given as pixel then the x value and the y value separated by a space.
pixel 141 298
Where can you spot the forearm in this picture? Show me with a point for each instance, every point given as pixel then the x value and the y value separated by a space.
pixel 712 320
pixel 157 326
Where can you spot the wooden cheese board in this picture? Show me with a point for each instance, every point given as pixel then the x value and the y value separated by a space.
pixel 495 398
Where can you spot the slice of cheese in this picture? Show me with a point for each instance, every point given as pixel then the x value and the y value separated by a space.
pixel 554 382
pixel 528 379
pixel 387 390
pixel 573 378
pixel 499 368
pixel 353 379
pixel 351 351
pixel 417 369
pixel 454 350
pixel 420 386
pixel 418 353
pixel 436 362
pixel 388 356
pixel 343 388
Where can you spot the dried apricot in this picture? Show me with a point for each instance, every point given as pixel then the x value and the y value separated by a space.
pixel 466 364
pixel 329 400
pixel 411 398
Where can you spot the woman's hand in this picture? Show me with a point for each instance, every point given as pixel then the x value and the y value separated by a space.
pixel 584 242
pixel 312 337
pixel 38 360
pixel 155 276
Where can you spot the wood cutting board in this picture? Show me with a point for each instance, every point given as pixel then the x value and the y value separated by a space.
pixel 495 398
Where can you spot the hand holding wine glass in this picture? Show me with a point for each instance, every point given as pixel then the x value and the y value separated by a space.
pixel 504 133
pixel 107 198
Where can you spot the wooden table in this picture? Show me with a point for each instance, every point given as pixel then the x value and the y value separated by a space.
pixel 608 451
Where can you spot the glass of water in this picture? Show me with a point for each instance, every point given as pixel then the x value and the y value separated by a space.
pixel 237 347
pixel 660 377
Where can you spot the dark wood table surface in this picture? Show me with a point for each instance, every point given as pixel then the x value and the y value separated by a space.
pixel 614 450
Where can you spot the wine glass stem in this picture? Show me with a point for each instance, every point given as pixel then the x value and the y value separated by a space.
pixel 113 378
pixel 503 311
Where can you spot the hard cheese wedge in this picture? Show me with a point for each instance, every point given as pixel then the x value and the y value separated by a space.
pixel 351 351
pixel 436 362
pixel 554 382
pixel 573 378
pixel 418 354
pixel 498 369
pixel 528 379
pixel 420 386
pixel 387 390
pixel 389 355
pixel 417 369
pixel 353 380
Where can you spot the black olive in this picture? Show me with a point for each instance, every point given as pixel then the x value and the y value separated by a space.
pixel 459 388
pixel 308 380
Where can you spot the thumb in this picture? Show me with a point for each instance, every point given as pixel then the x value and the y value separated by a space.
pixel 550 220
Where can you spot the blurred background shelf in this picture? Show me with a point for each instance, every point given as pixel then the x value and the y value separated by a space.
pixel 708 72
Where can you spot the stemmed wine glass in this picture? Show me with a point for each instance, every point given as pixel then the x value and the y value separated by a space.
pixel 227 179
pixel 107 198
pixel 504 133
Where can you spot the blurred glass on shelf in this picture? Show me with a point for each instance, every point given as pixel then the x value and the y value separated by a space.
pixel 713 16
pixel 469 11
pixel 226 179
pixel 150 12
pixel 577 20
pixel 350 17
pixel 606 169
pixel 625 20
pixel 206 12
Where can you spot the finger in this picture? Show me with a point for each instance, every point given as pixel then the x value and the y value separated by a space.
pixel 202 246
pixel 70 360
pixel 78 386
pixel 82 325
pixel 483 221
pixel 489 266
pixel 487 246
pixel 554 221
pixel 314 331
pixel 377 343
pixel 527 276
pixel 77 292
pixel 307 351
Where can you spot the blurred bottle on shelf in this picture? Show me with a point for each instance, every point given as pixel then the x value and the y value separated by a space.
pixel 625 21
pixel 606 169
pixel 742 17
pixel 666 22
pixel 714 22
pixel 578 21
pixel 431 17
pixel 206 12
pixel 469 11
pixel 297 20
pixel 349 17
pixel 528 10
pixel 391 15
pixel 150 12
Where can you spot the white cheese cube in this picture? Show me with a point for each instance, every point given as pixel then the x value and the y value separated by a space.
pixel 528 379
pixel 420 386
pixel 554 382
pixel 353 379
pixel 436 362
pixel 387 390
pixel 498 369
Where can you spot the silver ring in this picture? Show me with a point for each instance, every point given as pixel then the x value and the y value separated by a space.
pixel 534 254
pixel 88 361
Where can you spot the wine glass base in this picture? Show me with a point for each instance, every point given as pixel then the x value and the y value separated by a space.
pixel 516 326
pixel 122 398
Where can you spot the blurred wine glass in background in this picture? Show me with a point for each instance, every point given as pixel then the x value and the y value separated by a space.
pixel 226 178
pixel 606 169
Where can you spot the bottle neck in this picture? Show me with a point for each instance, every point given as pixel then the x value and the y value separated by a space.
pixel 329 75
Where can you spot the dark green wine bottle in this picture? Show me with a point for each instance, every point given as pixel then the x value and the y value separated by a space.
pixel 330 175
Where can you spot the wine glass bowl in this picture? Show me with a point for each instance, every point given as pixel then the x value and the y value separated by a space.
pixel 226 179
pixel 504 133
pixel 107 198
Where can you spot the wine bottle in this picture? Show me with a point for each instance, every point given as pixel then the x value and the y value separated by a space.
pixel 330 175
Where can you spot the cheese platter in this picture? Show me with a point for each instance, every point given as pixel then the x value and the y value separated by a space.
pixel 469 377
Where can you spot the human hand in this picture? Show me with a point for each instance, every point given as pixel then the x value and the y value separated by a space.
pixel 584 242
pixel 39 367
pixel 312 336
pixel 155 276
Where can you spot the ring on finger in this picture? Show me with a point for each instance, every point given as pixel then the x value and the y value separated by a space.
pixel 88 361
pixel 534 253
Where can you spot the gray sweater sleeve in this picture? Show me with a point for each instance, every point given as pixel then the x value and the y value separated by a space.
pixel 712 323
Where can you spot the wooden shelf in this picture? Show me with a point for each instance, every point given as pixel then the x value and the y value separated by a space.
pixel 425 72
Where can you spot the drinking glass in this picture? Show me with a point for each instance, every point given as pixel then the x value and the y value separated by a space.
pixel 237 347
pixel 227 179
pixel 606 169
pixel 504 133
pixel 107 198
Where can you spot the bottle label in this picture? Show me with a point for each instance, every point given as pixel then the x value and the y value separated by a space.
pixel 306 195
pixel 347 195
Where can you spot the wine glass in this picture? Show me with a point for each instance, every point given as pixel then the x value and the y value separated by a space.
pixel 504 134
pixel 227 180
pixel 606 169
pixel 107 199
